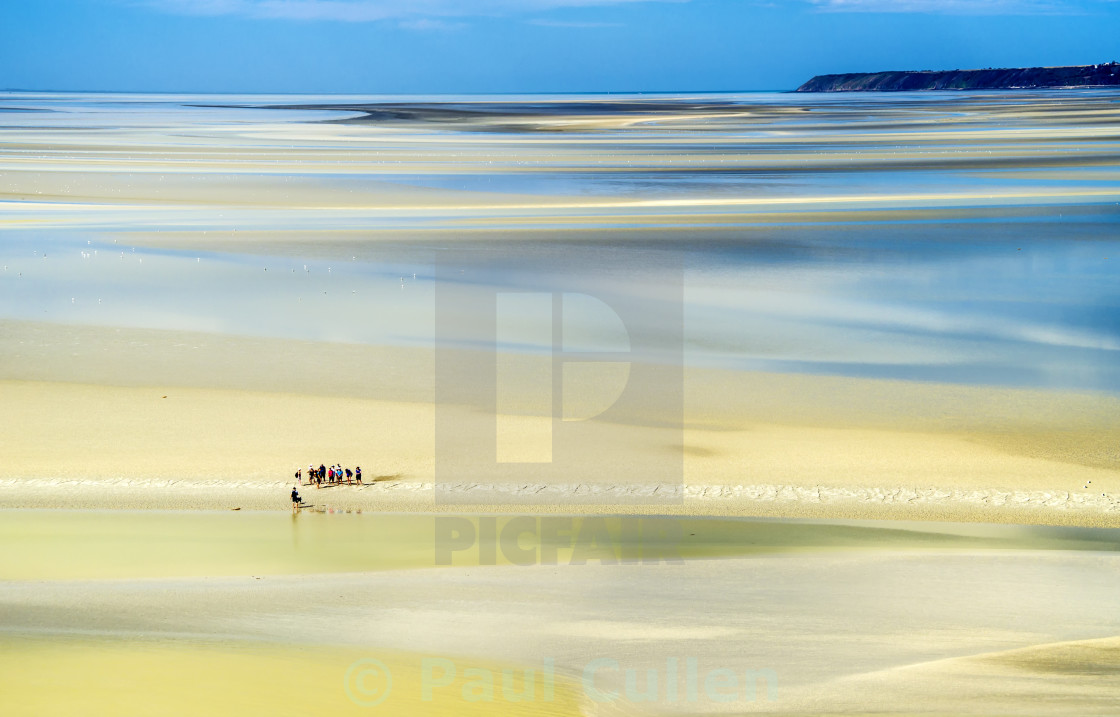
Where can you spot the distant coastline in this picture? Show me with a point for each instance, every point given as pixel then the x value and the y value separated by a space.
pixel 1107 74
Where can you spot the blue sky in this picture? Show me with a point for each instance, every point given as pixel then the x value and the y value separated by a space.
pixel 467 46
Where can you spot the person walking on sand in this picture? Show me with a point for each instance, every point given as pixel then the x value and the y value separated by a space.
pixel 295 499
pixel 299 476
pixel 358 474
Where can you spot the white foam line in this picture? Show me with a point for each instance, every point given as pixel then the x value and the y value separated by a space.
pixel 546 493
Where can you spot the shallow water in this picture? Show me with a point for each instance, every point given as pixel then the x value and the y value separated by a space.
pixel 950 237
pixel 130 612
pixel 108 544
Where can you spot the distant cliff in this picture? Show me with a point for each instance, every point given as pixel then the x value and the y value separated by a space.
pixel 990 79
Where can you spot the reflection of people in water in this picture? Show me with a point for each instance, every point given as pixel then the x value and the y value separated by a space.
pixel 295 499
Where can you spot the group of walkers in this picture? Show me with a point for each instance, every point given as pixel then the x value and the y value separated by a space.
pixel 335 475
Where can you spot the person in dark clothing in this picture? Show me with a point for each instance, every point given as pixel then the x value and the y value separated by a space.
pixel 295 499
pixel 358 474
pixel 349 475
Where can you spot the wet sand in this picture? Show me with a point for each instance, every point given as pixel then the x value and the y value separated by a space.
pixel 189 676
pixel 98 446
pixel 130 418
